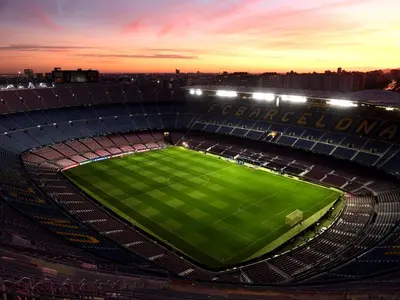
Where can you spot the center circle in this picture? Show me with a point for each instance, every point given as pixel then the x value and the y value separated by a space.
pixel 198 180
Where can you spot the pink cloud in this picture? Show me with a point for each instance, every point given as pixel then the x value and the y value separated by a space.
pixel 41 16
pixel 133 26
pixel 276 19
pixel 200 35
pixel 166 29
pixel 179 17
pixel 232 9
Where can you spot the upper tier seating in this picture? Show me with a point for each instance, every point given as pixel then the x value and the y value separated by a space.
pixel 78 123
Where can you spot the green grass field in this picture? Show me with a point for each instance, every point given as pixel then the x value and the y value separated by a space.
pixel 217 212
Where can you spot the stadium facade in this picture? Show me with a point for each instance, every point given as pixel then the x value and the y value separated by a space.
pixel 348 144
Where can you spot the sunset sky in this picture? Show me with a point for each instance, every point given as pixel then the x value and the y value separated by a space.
pixel 204 35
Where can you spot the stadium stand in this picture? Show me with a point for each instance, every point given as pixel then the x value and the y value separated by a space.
pixel 43 214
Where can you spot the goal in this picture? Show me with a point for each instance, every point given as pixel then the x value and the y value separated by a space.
pixel 294 217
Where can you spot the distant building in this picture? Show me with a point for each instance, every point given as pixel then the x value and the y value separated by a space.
pixel 270 80
pixel 359 80
pixel 39 76
pixel 395 74
pixel 74 76
pixel 294 80
pixel 201 79
pixel 317 81
pixel 28 73
pixel 237 79
pixel 374 79
pixel 329 81
pixel 340 81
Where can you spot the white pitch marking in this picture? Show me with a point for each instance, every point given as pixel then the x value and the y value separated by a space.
pixel 276 215
pixel 240 209
pixel 235 233
pixel 273 231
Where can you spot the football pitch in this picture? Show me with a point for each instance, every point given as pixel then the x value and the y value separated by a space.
pixel 217 212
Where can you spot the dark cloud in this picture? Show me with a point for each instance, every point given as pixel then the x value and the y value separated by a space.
pixel 62 48
pixel 4 4
pixel 150 56
pixel 194 51
pixel 190 51
pixel 27 47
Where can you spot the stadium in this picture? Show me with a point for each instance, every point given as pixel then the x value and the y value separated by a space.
pixel 138 192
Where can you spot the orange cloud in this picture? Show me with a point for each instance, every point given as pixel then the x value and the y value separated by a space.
pixel 204 35
pixel 145 56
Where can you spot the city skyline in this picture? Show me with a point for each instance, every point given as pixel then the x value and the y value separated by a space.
pixel 203 35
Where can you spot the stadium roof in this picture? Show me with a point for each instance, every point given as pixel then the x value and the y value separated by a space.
pixel 375 97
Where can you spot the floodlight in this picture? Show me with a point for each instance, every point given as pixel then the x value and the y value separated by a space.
pixel 185 144
pixel 294 98
pixel 389 108
pixel 196 92
pixel 263 96
pixel 285 97
pixel 228 94
pixel 341 103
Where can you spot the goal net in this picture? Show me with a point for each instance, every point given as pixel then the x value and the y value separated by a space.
pixel 294 217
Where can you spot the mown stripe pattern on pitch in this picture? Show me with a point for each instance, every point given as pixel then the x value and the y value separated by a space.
pixel 217 212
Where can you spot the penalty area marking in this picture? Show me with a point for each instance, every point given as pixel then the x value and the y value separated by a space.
pixel 327 197
pixel 243 208
pixel 205 182
pixel 254 242
pixel 271 232
pixel 239 210
pixel 278 214
pixel 235 233
pixel 253 203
